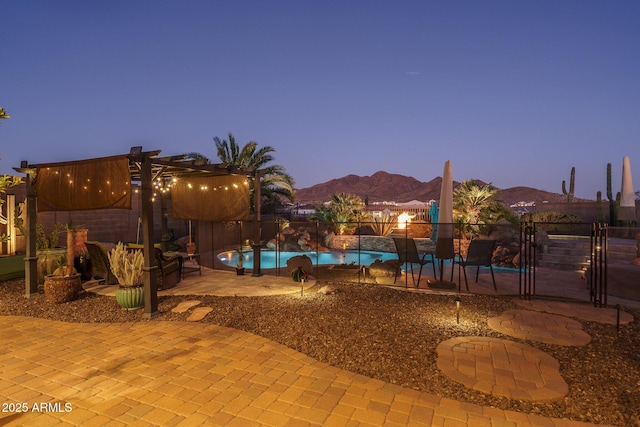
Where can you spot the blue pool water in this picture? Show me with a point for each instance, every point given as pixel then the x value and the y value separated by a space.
pixel 272 259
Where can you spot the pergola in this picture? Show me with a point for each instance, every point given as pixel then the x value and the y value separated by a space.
pixel 208 192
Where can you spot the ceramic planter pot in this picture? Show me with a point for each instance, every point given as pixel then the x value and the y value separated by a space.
pixel 130 297
pixel 61 289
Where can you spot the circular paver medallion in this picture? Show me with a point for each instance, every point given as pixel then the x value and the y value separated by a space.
pixel 502 368
pixel 541 327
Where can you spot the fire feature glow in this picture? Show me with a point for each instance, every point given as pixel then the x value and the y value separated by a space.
pixel 403 219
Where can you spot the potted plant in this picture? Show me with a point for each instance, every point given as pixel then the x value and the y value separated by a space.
pixel 63 285
pixel 127 267
pixel 239 266
pixel 47 250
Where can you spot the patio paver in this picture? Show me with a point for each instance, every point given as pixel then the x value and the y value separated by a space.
pixel 502 368
pixel 541 327
pixel 143 381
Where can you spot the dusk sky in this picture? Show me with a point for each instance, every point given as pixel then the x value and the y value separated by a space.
pixel 512 92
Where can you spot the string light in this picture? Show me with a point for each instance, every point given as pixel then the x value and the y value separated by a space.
pixel 164 185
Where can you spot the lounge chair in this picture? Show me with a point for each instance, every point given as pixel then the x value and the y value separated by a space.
pixel 169 269
pixel 408 254
pixel 479 254
pixel 100 263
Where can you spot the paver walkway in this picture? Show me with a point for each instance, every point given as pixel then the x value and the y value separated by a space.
pixel 580 311
pixel 541 327
pixel 185 374
pixel 519 371
pixel 502 368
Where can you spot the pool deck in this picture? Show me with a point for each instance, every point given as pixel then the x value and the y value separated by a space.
pixel 550 283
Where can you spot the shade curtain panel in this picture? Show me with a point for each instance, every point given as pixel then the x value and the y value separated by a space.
pixel 102 183
pixel 211 198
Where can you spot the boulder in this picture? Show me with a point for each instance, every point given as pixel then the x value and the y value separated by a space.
pixel 271 245
pixel 327 290
pixel 383 269
pixel 302 261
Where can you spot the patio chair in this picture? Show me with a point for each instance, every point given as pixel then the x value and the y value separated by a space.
pixel 408 254
pixel 100 263
pixel 169 272
pixel 479 254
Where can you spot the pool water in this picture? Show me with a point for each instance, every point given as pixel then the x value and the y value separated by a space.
pixel 273 259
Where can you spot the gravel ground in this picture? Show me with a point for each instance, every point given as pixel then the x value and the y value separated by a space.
pixel 392 335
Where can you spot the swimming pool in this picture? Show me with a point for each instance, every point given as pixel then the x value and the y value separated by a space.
pixel 273 259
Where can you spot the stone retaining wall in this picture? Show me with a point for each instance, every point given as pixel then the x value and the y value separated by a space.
pixel 374 243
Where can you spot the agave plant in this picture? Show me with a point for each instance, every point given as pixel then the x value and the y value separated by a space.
pixel 126 265
pixel 384 225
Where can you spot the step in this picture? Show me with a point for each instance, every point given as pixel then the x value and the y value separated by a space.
pixel 572 252
pixel 566 253
pixel 617 254
pixel 562 266
pixel 564 262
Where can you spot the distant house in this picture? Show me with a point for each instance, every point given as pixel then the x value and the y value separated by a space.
pixel 417 209
pixel 521 208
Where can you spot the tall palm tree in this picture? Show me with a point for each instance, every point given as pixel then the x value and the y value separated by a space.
pixel 276 183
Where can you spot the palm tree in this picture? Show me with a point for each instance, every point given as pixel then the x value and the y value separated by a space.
pixel 276 183
pixel 470 199
pixel 343 211
pixel 474 205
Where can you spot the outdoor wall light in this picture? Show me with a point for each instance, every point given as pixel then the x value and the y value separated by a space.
pixel 458 301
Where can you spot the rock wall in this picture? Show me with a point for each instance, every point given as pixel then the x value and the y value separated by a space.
pixel 374 243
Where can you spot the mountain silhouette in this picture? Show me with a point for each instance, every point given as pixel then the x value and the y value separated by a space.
pixel 383 186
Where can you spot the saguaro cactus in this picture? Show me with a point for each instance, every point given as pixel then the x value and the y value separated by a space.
pixel 572 183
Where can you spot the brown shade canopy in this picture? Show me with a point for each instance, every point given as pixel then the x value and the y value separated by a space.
pixel 211 198
pixel 102 183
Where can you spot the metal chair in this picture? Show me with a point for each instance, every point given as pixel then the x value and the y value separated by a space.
pixel 479 254
pixel 408 254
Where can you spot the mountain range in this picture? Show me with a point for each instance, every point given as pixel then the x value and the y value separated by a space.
pixel 384 186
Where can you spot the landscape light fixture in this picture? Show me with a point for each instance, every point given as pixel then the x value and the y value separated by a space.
pixel 458 301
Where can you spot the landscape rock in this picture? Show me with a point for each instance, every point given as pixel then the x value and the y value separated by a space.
pixel 299 261
pixel 383 268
